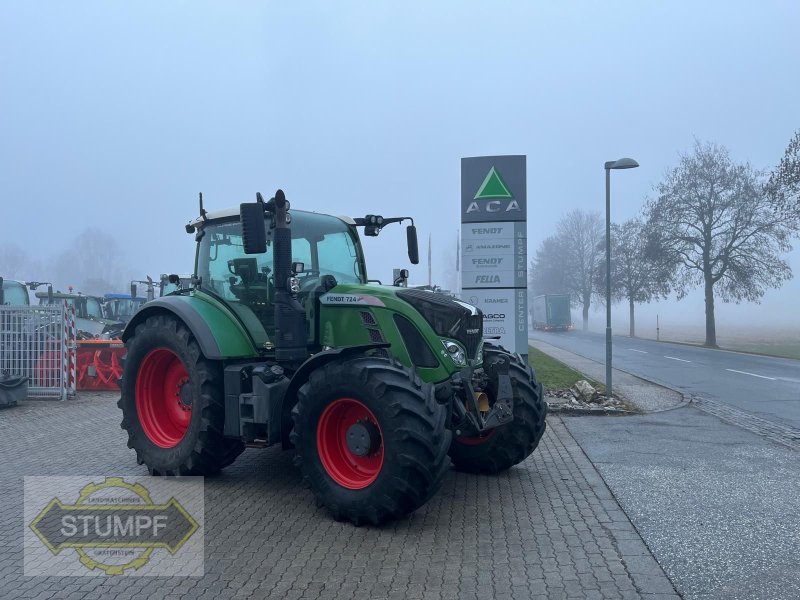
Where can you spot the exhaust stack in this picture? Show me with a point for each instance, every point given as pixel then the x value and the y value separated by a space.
pixel 290 319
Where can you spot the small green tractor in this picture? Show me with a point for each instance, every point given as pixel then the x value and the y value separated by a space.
pixel 282 339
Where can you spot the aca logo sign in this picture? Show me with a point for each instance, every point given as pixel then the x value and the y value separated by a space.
pixel 496 194
pixel 493 189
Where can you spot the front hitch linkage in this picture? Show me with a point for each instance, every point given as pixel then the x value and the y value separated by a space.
pixel 501 412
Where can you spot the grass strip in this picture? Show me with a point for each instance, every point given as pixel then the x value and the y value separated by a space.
pixel 554 374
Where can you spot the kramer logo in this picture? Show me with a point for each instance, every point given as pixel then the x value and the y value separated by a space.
pixel 115 527
pixel 496 193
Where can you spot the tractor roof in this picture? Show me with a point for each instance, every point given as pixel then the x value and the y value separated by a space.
pixel 10 281
pixel 234 212
pixel 66 295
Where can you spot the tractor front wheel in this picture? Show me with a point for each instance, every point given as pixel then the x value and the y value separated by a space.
pixel 370 439
pixel 505 446
pixel 172 402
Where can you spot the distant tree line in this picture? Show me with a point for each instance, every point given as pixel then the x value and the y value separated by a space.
pixel 92 263
pixel 711 223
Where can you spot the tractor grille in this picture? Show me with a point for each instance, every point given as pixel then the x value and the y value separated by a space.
pixel 471 333
pixel 368 319
pixel 448 318
pixel 375 335
pixel 418 351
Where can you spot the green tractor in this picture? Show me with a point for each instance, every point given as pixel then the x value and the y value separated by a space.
pixel 283 339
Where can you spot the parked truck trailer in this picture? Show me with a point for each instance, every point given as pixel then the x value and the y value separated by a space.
pixel 551 312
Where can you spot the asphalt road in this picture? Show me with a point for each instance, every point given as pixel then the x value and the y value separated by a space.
pixel 765 386
pixel 716 504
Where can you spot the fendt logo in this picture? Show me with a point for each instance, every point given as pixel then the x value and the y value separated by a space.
pixel 486 261
pixel 496 193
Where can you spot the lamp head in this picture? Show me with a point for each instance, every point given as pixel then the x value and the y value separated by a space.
pixel 622 163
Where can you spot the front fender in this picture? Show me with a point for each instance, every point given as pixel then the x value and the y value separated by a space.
pixel 218 332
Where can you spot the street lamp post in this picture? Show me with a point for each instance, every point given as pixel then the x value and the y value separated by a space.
pixel 622 163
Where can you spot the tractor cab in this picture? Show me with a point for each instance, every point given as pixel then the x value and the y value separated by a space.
pixel 121 307
pixel 13 292
pixel 90 315
pixel 325 252
pixel 171 283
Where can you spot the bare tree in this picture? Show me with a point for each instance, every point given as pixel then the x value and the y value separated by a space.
pixel 726 233
pixel 582 238
pixel 93 263
pixel 546 274
pixel 784 181
pixel 569 261
pixel 636 275
pixel 14 262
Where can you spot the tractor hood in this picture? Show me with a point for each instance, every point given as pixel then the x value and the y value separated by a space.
pixel 446 316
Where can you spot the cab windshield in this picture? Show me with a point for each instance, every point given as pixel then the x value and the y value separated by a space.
pixel 94 310
pixel 324 244
pixel 122 309
pixel 14 293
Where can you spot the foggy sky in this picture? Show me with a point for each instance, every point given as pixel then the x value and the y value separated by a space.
pixel 115 114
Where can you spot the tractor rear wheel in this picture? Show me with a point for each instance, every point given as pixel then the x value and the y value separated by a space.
pixel 505 446
pixel 172 402
pixel 370 439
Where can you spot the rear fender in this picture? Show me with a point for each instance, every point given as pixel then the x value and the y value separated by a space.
pixel 218 332
pixel 301 376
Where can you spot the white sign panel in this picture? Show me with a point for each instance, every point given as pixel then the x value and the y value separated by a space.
pixel 504 314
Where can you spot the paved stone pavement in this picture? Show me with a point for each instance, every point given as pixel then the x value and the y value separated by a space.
pixel 548 528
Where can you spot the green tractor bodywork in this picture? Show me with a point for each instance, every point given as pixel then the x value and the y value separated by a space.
pixel 282 317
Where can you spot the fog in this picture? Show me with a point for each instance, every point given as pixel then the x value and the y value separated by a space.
pixel 114 115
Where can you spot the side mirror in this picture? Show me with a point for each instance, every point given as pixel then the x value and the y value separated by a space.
pixel 298 267
pixel 133 290
pixel 254 231
pixel 413 249
pixel 2 293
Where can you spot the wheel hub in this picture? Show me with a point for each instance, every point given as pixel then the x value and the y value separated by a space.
pixel 163 397
pixel 363 438
pixel 350 443
pixel 185 396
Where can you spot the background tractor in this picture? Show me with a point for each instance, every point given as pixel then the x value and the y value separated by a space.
pixel 282 340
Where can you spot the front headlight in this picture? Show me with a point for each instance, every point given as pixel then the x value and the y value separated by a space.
pixel 455 352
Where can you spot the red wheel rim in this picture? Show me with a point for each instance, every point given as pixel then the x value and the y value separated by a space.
pixel 346 468
pixel 476 440
pixel 163 417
